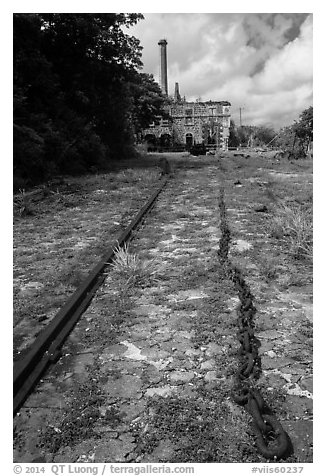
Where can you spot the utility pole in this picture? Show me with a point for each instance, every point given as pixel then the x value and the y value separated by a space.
pixel 240 109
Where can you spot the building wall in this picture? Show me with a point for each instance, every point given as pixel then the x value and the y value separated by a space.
pixel 198 119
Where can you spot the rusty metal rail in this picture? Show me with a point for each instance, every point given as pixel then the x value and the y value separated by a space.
pixel 46 347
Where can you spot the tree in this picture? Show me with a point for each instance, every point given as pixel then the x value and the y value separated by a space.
pixel 37 96
pixel 262 135
pixel 244 133
pixel 147 101
pixel 95 61
pixel 303 129
pixel 297 137
pixel 234 140
pixel 285 138
pixel 73 100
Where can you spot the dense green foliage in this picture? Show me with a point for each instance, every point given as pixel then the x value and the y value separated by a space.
pixel 79 98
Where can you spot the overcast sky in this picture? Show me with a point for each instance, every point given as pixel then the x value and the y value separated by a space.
pixel 259 62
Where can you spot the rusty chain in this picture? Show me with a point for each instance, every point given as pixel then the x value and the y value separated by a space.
pixel 271 439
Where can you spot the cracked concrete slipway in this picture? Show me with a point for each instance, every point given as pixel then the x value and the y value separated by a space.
pixel 146 375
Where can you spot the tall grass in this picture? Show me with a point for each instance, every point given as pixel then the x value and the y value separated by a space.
pixel 146 176
pixel 131 269
pixel 293 223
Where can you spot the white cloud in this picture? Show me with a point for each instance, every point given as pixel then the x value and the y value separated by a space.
pixel 262 62
pixel 291 67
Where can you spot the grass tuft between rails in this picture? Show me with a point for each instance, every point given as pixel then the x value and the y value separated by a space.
pixel 131 269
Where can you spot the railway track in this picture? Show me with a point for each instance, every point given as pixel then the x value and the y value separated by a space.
pixel 178 344
pixel 46 348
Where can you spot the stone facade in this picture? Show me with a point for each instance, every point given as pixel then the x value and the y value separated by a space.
pixel 190 123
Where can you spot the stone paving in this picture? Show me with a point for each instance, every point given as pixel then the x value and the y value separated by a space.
pixel 173 345
pixel 284 322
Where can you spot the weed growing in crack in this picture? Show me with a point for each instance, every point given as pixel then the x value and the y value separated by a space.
pixel 268 188
pixel 77 423
pixel 270 269
pixel 197 430
pixel 293 223
pixel 132 269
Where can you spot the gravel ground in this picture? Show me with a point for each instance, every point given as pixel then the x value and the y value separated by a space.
pixel 57 240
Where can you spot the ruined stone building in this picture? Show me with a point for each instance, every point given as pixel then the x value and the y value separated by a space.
pixel 188 123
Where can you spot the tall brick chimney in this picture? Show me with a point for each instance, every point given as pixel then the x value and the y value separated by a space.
pixel 177 97
pixel 163 67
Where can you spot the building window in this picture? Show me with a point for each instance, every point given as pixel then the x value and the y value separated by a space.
pixel 212 111
pixel 189 120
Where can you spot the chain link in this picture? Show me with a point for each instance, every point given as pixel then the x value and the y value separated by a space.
pixel 271 439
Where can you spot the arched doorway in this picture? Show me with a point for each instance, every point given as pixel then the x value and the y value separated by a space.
pixel 165 140
pixel 189 139
pixel 150 140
